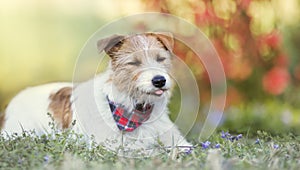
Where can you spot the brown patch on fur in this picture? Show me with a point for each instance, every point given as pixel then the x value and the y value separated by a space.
pixel 2 119
pixel 116 47
pixel 110 44
pixel 60 106
pixel 136 76
pixel 166 39
pixel 109 80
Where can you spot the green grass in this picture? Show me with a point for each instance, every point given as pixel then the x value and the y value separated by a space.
pixel 259 139
pixel 273 116
pixel 68 150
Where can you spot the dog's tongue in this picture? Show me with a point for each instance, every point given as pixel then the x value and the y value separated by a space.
pixel 159 92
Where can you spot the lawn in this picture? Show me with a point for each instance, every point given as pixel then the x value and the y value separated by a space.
pixel 223 150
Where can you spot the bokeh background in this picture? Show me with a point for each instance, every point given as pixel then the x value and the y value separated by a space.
pixel 257 40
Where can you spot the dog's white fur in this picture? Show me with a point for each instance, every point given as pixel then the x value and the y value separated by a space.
pixel 28 110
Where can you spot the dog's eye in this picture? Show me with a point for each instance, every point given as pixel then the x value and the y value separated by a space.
pixel 160 59
pixel 134 63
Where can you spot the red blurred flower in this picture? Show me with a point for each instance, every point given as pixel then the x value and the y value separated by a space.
pixel 204 18
pixel 273 39
pixel 276 80
pixel 244 3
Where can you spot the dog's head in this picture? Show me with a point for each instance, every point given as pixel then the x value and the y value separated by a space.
pixel 140 64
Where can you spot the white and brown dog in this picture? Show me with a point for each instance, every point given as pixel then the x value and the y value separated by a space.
pixel 127 104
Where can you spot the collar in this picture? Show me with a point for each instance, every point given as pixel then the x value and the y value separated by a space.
pixel 129 120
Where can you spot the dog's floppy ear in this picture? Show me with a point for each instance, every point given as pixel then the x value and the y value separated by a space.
pixel 110 44
pixel 166 38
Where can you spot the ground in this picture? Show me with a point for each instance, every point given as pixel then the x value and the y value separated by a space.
pixel 221 151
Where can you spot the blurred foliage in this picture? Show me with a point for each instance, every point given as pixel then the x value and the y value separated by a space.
pixel 271 115
pixel 247 34
pixel 257 41
pixel 40 40
pixel 40 47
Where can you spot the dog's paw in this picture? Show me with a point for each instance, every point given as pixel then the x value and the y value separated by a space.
pixel 178 151
pixel 185 147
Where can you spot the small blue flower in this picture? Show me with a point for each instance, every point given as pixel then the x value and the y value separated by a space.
pixel 225 134
pixel 188 151
pixel 46 159
pixel 232 138
pixel 205 145
pixel 275 146
pixel 257 141
pixel 217 145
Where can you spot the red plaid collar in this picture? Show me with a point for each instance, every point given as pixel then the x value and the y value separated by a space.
pixel 129 121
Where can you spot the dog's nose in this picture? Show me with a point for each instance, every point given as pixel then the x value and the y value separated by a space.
pixel 159 81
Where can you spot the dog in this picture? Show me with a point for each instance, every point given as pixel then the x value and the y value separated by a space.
pixel 125 105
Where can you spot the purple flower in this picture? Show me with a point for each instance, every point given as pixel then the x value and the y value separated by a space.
pixel 217 145
pixel 228 136
pixel 275 146
pixel 188 151
pixel 257 141
pixel 46 158
pixel 205 145
pixel 225 134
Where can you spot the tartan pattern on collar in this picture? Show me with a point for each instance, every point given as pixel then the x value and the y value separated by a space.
pixel 129 121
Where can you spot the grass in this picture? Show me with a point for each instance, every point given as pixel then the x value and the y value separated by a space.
pixel 244 147
pixel 68 150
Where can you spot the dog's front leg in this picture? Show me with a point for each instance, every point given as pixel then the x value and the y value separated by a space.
pixel 172 139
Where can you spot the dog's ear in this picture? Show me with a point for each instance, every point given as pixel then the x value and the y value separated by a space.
pixel 110 44
pixel 167 39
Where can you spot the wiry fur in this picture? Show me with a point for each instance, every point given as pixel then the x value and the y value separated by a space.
pixel 135 60
pixel 135 80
